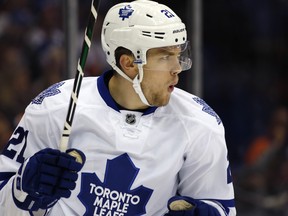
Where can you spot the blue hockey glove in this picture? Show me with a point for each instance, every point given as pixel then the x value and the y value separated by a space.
pixel 46 177
pixel 187 206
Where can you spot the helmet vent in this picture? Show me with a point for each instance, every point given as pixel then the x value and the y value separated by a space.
pixel 158 35
pixel 146 33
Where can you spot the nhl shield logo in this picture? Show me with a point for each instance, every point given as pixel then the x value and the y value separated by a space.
pixel 130 119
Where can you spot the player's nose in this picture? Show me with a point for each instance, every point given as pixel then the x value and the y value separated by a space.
pixel 176 69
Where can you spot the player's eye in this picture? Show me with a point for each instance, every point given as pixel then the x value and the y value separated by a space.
pixel 164 57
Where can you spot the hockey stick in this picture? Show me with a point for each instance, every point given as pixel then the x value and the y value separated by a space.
pixel 78 78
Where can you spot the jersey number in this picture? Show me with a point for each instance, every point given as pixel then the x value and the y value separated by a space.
pixel 18 137
pixel 167 13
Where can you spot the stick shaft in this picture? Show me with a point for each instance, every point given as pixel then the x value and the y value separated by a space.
pixel 78 78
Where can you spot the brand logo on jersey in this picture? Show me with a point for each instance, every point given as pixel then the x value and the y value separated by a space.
pixel 114 196
pixel 206 108
pixel 130 119
pixel 51 91
pixel 125 12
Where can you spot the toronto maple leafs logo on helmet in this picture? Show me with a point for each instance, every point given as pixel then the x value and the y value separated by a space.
pixel 51 91
pixel 125 12
pixel 114 196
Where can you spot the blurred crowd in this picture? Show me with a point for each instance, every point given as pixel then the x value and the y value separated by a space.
pixel 245 80
pixel 32 44
pixel 262 184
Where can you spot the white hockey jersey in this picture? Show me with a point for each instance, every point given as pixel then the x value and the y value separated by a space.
pixel 135 161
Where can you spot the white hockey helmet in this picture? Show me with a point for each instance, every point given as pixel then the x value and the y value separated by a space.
pixel 139 26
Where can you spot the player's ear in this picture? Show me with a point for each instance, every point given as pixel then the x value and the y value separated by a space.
pixel 128 66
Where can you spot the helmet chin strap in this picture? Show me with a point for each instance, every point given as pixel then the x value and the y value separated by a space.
pixel 138 90
pixel 136 82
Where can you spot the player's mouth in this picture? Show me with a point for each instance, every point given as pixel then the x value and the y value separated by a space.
pixel 172 86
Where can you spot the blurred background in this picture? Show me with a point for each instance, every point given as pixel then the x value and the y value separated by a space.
pixel 240 68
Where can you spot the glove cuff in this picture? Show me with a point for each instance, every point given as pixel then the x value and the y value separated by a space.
pixel 18 193
pixel 25 201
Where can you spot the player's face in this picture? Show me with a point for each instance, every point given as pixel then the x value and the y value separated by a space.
pixel 160 74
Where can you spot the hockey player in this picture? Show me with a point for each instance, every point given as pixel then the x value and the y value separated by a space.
pixel 138 146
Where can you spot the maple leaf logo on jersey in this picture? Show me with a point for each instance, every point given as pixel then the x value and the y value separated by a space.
pixel 51 91
pixel 206 108
pixel 114 196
